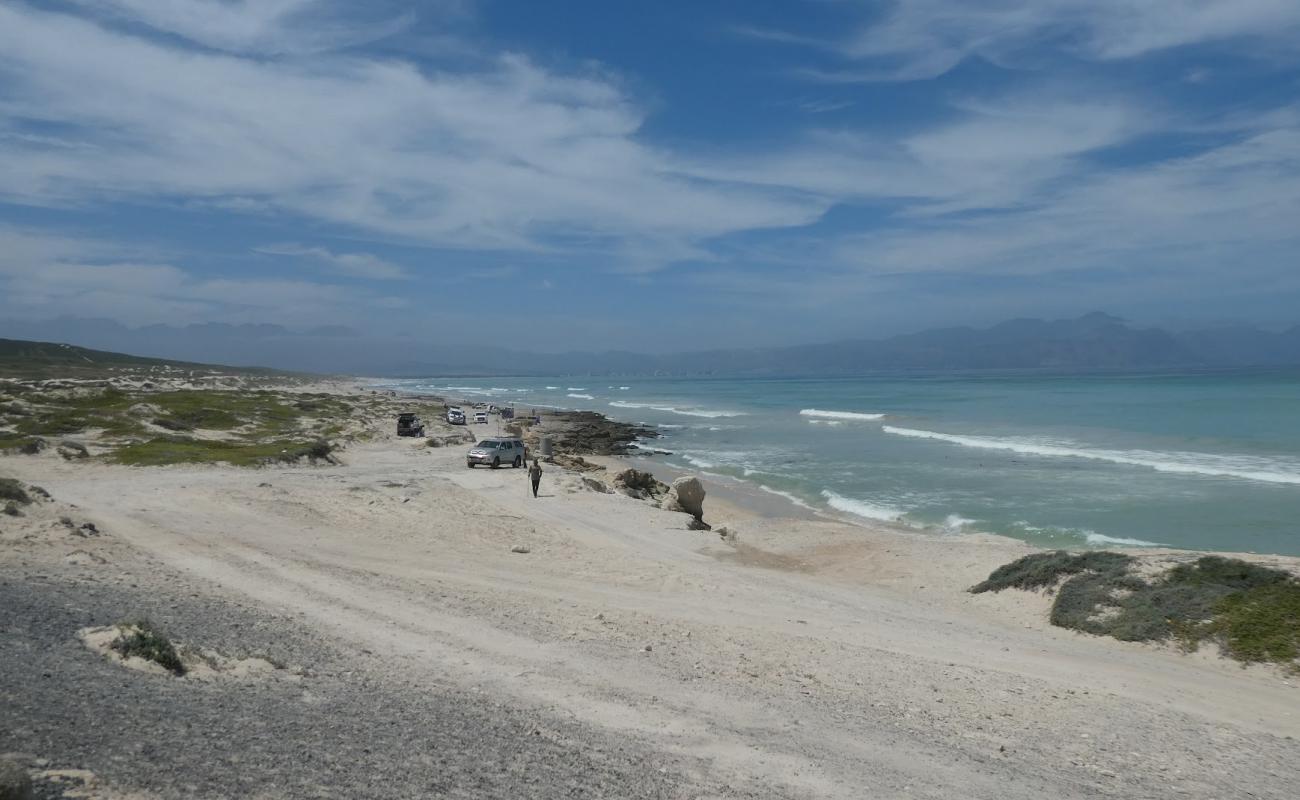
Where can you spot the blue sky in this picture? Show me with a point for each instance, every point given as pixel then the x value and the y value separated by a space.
pixel 649 175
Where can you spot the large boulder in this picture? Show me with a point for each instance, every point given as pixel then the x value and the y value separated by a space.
pixel 687 496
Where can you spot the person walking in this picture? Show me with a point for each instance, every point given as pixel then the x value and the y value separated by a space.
pixel 535 475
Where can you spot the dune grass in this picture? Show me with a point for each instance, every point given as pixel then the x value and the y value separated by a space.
pixel 164 450
pixel 1251 612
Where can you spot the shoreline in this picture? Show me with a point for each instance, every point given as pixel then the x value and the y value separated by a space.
pixel 795 656
pixel 775 504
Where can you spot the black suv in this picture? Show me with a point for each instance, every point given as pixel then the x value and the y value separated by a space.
pixel 409 425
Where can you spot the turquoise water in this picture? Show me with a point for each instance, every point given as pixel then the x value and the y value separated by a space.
pixel 1196 461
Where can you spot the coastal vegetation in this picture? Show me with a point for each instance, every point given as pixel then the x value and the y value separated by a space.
pixel 132 420
pixel 1250 611
pixel 143 640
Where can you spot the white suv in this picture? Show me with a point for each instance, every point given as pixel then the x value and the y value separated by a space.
pixel 496 451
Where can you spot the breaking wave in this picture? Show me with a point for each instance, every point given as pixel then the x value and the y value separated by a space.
pixel 1244 467
pixel 686 412
pixel 581 396
pixel 860 508
pixel 853 415
pixel 1102 540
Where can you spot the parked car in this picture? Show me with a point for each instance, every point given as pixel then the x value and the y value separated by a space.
pixel 495 451
pixel 455 416
pixel 480 417
pixel 409 425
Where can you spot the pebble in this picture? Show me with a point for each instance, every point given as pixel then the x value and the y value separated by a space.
pixel 519 548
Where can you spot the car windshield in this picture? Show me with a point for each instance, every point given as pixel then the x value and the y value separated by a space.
pixel 487 445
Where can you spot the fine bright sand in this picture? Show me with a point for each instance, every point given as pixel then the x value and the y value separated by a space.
pixel 804 657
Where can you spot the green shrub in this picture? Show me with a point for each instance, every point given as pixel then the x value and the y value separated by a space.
pixel 1042 570
pixel 1230 572
pixel 143 640
pixel 53 423
pixel 1253 612
pixel 1260 624
pixel 11 489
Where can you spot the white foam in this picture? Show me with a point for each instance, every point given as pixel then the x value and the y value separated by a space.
pixel 581 396
pixel 697 461
pixel 624 388
pixel 857 416
pixel 552 387
pixel 1243 467
pixel 577 388
pixel 1095 538
pixel 686 412
pixel 787 496
pixel 955 523
pixel 861 508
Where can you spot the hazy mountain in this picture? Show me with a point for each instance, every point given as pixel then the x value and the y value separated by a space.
pixel 1092 342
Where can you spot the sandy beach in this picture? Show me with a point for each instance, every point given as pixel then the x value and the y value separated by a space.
pixel 435 630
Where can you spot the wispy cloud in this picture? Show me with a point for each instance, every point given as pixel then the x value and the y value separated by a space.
pixel 44 275
pixel 507 156
pixel 273 27
pixel 922 39
pixel 352 265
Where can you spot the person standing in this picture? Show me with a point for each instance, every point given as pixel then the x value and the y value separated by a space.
pixel 535 475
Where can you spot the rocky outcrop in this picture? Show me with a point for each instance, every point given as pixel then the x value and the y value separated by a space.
pixel 638 484
pixel 72 451
pixel 588 432
pixel 687 496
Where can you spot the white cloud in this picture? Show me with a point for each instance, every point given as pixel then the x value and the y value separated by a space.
pixel 351 265
pixel 511 156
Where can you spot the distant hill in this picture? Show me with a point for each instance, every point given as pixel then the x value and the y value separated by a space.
pixel 1094 341
pixel 36 359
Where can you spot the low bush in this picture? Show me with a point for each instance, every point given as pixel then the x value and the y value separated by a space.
pixel 1259 624
pixel 1043 570
pixel 142 640
pixel 12 490
pixel 1252 612
pixel 26 445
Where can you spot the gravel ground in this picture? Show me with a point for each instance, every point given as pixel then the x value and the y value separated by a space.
pixel 343 728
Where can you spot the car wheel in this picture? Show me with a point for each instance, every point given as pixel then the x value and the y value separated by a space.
pixel 469 464
pixel 518 461
pixel 496 463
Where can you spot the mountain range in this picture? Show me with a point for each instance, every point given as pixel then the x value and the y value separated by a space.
pixel 1095 341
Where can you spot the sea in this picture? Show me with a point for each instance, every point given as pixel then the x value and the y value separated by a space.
pixel 1192 460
